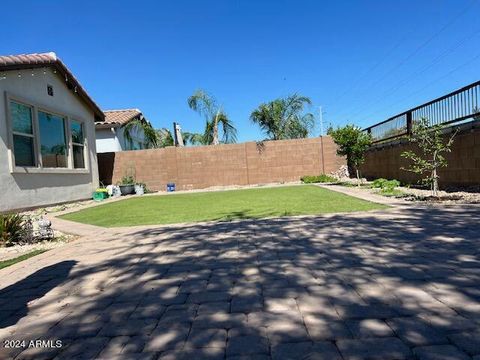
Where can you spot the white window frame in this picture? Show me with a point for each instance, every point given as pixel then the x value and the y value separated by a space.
pixel 38 168
pixel 72 143
pixel 12 132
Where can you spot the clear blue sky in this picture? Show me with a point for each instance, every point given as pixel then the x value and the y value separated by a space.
pixel 363 61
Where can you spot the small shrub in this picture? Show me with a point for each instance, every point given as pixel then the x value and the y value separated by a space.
pixel 379 183
pixel 390 185
pixel 318 179
pixel 12 229
pixel 393 193
pixel 387 187
pixel 127 180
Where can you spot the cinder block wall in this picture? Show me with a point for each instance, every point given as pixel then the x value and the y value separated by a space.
pixel 463 162
pixel 237 164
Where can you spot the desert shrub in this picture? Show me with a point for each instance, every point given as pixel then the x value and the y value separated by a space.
pixel 12 229
pixel 323 178
pixel 127 180
pixel 387 187
pixel 379 183
pixel 390 185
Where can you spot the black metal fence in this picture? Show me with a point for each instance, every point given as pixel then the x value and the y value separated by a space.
pixel 459 106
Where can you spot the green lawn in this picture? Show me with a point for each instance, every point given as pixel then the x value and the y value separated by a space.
pixel 221 205
pixel 5 263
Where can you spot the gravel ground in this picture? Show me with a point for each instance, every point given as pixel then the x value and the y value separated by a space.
pixel 60 239
pixel 456 197
pixel 11 252
pixel 469 195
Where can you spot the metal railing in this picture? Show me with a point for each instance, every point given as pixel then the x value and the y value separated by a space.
pixel 461 105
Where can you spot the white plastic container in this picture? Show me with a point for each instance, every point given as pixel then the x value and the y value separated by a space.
pixel 139 189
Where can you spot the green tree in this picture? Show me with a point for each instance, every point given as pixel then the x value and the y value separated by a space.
pixel 207 106
pixel 194 138
pixel 165 138
pixel 141 125
pixel 283 118
pixel 433 145
pixel 352 142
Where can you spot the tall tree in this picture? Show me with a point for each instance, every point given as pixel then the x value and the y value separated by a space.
pixel 207 106
pixel 284 118
pixel 141 124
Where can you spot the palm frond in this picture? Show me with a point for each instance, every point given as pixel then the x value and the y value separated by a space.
pixel 206 105
pixel 283 118
pixel 141 124
pixel 202 102
pixel 229 130
pixel 193 138
pixel 165 138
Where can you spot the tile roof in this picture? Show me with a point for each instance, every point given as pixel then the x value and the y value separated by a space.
pixel 29 61
pixel 119 117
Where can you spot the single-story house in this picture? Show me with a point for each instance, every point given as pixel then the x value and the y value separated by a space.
pixel 47 133
pixel 111 132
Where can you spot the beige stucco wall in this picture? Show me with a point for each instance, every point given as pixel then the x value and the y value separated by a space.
pixel 113 139
pixel 23 190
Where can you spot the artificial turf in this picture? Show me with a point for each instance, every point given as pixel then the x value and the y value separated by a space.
pixel 220 205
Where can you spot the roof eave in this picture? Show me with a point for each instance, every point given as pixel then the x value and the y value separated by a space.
pixel 103 125
pixel 70 80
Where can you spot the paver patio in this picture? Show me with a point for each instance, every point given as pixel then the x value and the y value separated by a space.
pixel 397 284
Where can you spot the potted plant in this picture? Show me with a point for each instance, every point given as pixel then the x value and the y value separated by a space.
pixel 127 185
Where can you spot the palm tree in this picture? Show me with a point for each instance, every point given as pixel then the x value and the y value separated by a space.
pixel 284 118
pixel 165 138
pixel 194 138
pixel 206 105
pixel 141 124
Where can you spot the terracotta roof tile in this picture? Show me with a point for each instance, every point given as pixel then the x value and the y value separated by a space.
pixel 120 117
pixel 28 61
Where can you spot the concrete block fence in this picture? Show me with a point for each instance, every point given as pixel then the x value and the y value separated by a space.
pixel 201 167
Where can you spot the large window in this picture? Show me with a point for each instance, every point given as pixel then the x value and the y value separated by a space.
pixel 53 144
pixel 78 144
pixel 43 139
pixel 23 138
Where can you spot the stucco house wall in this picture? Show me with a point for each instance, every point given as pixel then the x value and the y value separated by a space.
pixel 113 139
pixel 38 187
pixel 107 140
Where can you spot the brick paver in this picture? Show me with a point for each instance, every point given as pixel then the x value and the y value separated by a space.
pixel 397 284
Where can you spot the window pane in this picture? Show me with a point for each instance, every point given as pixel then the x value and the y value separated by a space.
pixel 77 131
pixel 52 140
pixel 21 118
pixel 78 161
pixel 23 150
